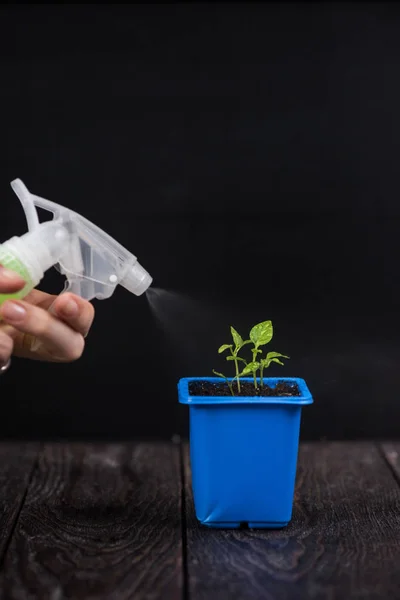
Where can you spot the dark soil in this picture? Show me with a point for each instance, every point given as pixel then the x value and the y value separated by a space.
pixel 206 388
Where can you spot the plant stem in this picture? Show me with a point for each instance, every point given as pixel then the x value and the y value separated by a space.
pixel 261 376
pixel 237 375
pixel 254 372
pixel 228 383
pixel 236 369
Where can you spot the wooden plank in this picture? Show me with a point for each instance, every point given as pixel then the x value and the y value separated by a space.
pixel 391 452
pixel 16 465
pixel 343 541
pixel 99 521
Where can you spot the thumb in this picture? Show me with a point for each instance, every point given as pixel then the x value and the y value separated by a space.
pixel 10 282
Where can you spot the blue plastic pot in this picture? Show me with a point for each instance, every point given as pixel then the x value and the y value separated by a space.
pixel 243 454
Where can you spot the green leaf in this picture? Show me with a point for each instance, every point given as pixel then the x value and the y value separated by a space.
pixel 237 339
pixel 276 360
pixel 262 333
pixel 271 355
pixel 219 374
pixel 250 368
pixel 236 358
pixel 224 347
pixel 238 348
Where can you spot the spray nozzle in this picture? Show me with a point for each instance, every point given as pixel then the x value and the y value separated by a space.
pixel 92 261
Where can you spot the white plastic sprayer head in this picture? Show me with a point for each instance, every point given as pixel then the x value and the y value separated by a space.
pixel 91 260
pixel 137 280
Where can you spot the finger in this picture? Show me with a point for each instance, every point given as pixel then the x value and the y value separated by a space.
pixel 39 298
pixel 6 347
pixel 62 342
pixel 8 330
pixel 10 282
pixel 75 311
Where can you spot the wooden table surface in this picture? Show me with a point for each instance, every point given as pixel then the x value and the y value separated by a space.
pixel 91 521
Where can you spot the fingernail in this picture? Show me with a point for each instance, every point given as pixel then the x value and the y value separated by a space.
pixel 70 308
pixel 13 311
pixel 9 275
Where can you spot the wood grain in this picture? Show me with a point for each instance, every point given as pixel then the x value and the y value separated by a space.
pixel 391 451
pixel 99 522
pixel 343 541
pixel 16 464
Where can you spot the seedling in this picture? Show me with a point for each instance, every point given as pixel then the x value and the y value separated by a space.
pixel 260 335
pixel 234 349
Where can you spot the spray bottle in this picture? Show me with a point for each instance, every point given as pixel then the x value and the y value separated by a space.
pixel 92 262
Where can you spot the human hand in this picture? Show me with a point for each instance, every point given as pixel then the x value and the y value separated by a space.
pixel 61 332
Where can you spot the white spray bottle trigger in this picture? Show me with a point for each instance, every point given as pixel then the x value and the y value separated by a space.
pixel 92 261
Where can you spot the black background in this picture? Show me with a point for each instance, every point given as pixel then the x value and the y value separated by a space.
pixel 248 154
